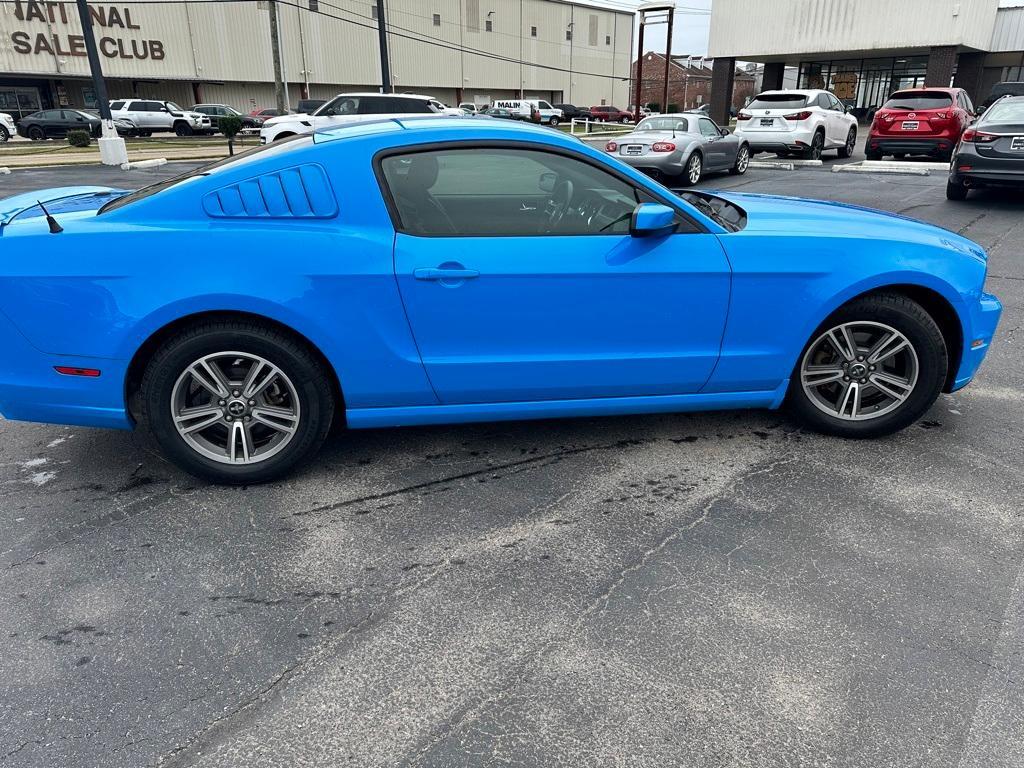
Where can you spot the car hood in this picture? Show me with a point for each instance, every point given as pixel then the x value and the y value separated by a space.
pixel 286 118
pixel 775 213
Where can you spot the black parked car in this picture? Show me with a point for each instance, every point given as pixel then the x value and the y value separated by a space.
pixel 216 111
pixel 990 152
pixel 55 124
pixel 569 111
pixel 498 112
pixel 1002 89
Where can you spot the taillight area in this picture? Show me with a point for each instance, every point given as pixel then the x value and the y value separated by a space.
pixel 743 116
pixel 611 146
pixel 663 146
pixel 798 116
pixel 978 137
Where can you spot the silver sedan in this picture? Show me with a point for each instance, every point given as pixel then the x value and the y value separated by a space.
pixel 679 149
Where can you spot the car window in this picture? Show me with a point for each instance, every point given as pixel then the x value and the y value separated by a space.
pixel 708 128
pixel 837 105
pixel 1005 113
pixel 914 100
pixel 77 117
pixel 439 193
pixel 778 101
pixel 50 114
pixel 968 104
pixel 116 105
pixel 151 106
pixel 543 105
pixel 660 123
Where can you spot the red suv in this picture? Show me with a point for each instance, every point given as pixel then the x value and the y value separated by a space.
pixel 607 114
pixel 920 121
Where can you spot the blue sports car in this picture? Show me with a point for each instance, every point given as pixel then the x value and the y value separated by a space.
pixel 432 270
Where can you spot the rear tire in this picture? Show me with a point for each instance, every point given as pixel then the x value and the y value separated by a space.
pixel 814 151
pixel 553 122
pixel 926 366
pixel 955 190
pixel 692 171
pixel 873 155
pixel 286 420
pixel 36 133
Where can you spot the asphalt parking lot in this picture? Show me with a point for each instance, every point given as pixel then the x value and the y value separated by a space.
pixel 694 590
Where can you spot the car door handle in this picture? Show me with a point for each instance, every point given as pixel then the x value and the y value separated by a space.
pixel 439 273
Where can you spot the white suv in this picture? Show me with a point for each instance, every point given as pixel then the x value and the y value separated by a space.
pixel 797 122
pixel 154 116
pixel 348 108
pixel 7 128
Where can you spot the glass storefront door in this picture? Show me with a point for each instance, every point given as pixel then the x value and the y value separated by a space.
pixel 19 102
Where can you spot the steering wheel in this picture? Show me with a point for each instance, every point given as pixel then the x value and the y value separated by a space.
pixel 556 208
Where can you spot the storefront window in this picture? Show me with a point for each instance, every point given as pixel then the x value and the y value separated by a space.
pixel 864 84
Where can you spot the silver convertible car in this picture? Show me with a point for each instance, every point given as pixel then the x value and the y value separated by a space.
pixel 679 149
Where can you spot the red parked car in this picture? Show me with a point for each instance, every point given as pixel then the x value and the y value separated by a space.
pixel 608 114
pixel 920 121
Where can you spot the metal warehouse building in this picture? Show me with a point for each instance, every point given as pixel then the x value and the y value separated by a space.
pixel 219 51
pixel 863 50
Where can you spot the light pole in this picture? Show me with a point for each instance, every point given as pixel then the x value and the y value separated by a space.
pixel 112 147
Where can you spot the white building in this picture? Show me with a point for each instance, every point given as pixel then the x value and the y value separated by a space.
pixel 863 50
pixel 189 52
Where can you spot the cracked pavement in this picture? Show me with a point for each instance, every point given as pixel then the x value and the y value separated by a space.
pixel 717 589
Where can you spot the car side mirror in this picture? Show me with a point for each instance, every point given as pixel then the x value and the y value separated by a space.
pixel 547 182
pixel 849 109
pixel 652 219
pixel 724 131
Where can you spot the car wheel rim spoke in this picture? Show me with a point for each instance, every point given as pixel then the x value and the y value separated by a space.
pixel 859 371
pixel 235 408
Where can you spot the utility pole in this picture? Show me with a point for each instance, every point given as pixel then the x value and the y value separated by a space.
pixel 112 147
pixel 382 35
pixel 275 52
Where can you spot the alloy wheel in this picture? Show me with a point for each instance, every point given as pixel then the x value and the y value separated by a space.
pixel 817 143
pixel 235 408
pixel 859 371
pixel 851 141
pixel 693 169
pixel 743 160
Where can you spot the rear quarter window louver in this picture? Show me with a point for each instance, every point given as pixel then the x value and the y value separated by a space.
pixel 302 192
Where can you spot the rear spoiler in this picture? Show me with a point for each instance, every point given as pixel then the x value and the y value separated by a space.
pixel 12 207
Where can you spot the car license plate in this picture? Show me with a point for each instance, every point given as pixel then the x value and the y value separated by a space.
pixel 767 121
pixel 910 125
pixel 1017 143
pixel 634 149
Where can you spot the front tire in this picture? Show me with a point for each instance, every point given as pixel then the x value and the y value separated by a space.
pixel 237 402
pixel 36 133
pixel 183 129
pixel 846 150
pixel 742 161
pixel 873 368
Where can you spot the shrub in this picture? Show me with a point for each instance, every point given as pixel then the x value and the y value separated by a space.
pixel 230 125
pixel 79 138
pixel 654 106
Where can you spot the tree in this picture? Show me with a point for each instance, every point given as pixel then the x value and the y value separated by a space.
pixel 230 125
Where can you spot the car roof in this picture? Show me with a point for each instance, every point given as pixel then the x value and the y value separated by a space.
pixel 924 88
pixel 452 124
pixel 801 91
pixel 389 95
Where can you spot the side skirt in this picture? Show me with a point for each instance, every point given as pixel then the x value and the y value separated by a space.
pixel 367 418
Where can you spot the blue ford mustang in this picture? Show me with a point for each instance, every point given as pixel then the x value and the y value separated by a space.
pixel 421 271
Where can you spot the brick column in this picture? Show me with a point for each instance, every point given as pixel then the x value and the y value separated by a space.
pixel 969 70
pixel 723 72
pixel 941 60
pixel 774 74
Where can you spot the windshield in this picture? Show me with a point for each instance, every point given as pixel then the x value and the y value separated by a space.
pixel 778 101
pixel 174 107
pixel 244 158
pixel 1005 112
pixel 919 100
pixel 662 124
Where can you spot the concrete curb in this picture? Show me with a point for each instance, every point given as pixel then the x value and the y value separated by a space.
pixel 901 164
pixel 140 164
pixel 787 166
pixel 858 168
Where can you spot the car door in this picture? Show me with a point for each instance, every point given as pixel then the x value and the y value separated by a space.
pixel 715 149
pixel 521 281
pixel 50 122
pixel 840 119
